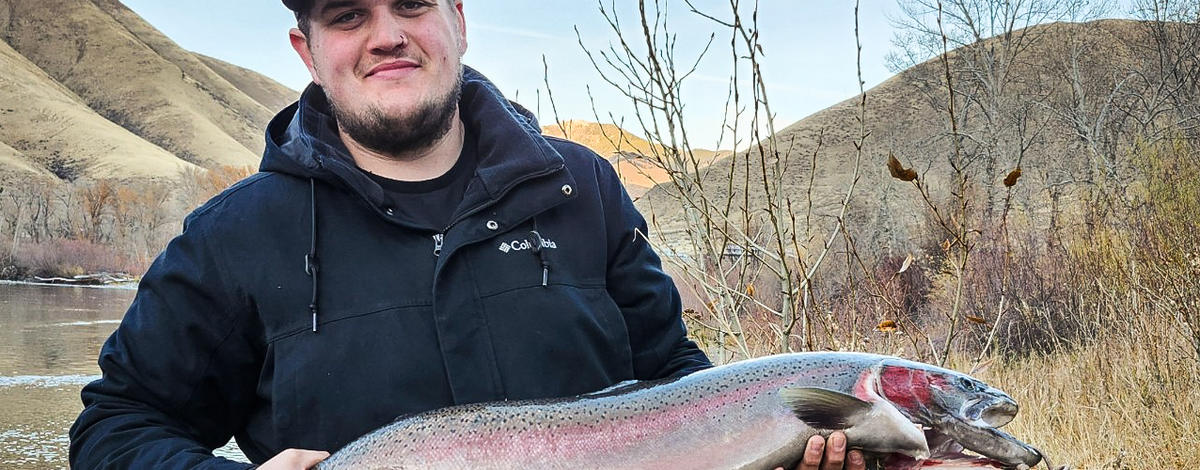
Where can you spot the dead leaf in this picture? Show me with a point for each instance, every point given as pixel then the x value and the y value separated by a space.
pixel 750 290
pixel 1012 177
pixel 975 319
pixel 898 171
pixel 907 262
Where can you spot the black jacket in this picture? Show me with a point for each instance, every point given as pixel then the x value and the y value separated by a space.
pixel 220 339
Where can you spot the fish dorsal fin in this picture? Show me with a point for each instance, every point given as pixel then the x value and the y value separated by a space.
pixel 823 408
pixel 613 387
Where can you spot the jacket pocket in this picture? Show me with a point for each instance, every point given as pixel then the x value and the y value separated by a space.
pixel 557 340
pixel 357 373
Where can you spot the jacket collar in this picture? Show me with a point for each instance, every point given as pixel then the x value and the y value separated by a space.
pixel 302 140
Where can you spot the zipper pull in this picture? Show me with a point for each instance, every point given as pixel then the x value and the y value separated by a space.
pixel 437 244
pixel 536 240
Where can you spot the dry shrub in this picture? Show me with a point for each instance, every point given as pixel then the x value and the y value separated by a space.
pixel 61 229
pixel 198 185
pixel 66 258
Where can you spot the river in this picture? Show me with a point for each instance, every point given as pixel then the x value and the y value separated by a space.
pixel 50 337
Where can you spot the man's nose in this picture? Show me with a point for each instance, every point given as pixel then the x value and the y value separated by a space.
pixel 387 35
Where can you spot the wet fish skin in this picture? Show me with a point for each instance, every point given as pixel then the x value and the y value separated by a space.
pixel 753 414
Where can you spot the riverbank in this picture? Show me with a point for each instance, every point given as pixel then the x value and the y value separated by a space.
pixel 130 285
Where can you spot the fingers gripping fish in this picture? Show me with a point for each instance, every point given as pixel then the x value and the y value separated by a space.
pixel 754 414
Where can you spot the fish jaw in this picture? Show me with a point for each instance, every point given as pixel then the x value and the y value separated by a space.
pixel 959 410
pixel 991 442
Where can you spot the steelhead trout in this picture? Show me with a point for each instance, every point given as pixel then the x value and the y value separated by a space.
pixel 753 414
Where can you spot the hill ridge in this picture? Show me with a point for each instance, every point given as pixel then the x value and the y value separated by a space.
pixel 184 107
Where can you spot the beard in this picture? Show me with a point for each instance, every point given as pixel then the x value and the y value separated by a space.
pixel 400 135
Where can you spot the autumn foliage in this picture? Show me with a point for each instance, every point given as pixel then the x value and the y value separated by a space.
pixel 66 228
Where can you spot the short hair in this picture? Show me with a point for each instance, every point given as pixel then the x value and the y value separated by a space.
pixel 303 22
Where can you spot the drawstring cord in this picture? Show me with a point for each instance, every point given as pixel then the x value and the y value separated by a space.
pixel 310 260
pixel 536 240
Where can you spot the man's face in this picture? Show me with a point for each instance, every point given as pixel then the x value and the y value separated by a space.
pixel 386 63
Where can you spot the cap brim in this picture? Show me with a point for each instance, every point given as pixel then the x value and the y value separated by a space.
pixel 297 5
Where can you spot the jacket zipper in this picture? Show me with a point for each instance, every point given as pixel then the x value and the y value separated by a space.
pixel 439 237
pixel 437 243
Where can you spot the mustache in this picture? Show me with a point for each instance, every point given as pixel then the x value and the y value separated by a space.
pixel 368 69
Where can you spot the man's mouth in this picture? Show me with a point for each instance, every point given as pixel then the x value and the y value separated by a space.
pixel 393 68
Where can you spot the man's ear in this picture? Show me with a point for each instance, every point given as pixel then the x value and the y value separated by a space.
pixel 300 44
pixel 462 27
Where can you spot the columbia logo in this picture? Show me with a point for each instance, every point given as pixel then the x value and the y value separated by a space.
pixel 521 245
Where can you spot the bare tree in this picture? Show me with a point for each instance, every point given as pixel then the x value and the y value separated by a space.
pixel 746 245
pixel 97 197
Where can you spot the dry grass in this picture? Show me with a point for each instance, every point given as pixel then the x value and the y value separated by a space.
pixel 1129 400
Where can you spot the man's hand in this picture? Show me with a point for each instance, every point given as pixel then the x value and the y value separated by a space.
pixel 833 455
pixel 296 459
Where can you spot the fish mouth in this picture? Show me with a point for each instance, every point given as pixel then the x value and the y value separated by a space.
pixel 947 452
pixel 994 410
pixel 970 439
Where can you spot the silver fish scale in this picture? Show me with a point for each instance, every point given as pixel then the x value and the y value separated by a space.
pixel 628 427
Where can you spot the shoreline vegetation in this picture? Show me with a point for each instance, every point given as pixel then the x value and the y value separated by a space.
pixel 81 230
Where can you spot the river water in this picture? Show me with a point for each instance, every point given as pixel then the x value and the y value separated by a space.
pixel 50 337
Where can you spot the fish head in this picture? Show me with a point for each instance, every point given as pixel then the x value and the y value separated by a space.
pixel 956 410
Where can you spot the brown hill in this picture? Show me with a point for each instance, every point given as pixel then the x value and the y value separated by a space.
pixel 267 92
pixel 906 116
pixel 14 165
pixel 631 155
pixel 162 104
pixel 49 129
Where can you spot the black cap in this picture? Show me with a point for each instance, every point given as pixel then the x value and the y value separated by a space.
pixel 298 5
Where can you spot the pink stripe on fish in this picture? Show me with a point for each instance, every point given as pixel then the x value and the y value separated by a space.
pixel 580 439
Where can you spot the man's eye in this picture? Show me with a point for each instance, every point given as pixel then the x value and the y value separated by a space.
pixel 412 6
pixel 346 17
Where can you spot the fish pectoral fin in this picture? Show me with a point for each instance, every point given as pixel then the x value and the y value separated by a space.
pixel 824 409
pixel 885 430
pixel 871 426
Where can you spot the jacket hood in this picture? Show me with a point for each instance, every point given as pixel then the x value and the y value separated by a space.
pixel 302 140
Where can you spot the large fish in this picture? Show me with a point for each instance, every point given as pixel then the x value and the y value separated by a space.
pixel 754 414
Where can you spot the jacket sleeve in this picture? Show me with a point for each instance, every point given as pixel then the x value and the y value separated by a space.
pixel 645 293
pixel 178 375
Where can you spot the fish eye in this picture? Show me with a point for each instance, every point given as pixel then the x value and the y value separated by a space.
pixel 969 384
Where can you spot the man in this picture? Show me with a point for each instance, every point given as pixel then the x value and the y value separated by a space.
pixel 412 242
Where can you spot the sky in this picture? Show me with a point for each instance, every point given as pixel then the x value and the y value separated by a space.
pixel 808 45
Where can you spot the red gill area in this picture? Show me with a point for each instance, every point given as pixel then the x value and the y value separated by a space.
pixel 909 389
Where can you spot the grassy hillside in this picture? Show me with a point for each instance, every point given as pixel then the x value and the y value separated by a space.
pixel 51 130
pixel 110 133
pixel 265 91
pixel 16 166
pixel 632 156
pixel 906 117
pixel 131 74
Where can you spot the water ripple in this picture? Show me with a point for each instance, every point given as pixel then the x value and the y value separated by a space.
pixel 47 381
